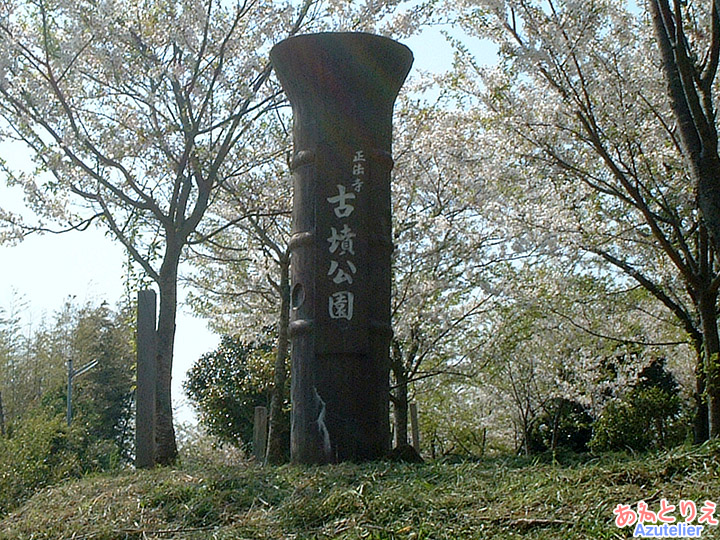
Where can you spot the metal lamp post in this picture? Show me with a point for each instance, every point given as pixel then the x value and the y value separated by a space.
pixel 70 377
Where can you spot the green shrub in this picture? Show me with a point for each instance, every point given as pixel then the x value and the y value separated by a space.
pixel 34 456
pixel 564 424
pixel 42 451
pixel 649 416
pixel 227 384
pixel 619 427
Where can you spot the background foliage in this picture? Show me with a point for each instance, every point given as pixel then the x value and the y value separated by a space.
pixel 37 448
pixel 554 285
pixel 227 384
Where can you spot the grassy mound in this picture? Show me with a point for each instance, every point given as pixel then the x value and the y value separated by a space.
pixel 496 498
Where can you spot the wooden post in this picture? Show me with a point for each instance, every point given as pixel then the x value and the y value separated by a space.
pixel 414 427
pixel 146 378
pixel 342 87
pixel 260 432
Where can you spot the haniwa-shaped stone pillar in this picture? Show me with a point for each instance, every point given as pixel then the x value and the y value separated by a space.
pixel 342 88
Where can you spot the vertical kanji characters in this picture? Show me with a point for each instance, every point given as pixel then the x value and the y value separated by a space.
pixel 343 209
pixel 339 275
pixel 342 268
pixel 342 240
pixel 358 171
pixel 341 304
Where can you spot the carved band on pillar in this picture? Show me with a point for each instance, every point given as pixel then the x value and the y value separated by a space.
pixel 342 88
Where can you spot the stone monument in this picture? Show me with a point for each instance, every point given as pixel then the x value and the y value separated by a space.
pixel 342 88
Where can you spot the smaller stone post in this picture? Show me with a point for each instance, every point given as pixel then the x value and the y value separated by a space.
pixel 260 433
pixel 414 427
pixel 146 377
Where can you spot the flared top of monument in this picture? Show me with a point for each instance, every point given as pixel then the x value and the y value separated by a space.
pixel 374 66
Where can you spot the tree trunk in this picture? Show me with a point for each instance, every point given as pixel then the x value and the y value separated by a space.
pixel 700 420
pixel 692 103
pixel 277 449
pixel 400 408
pixel 166 450
pixel 526 436
pixel 556 426
pixel 708 194
pixel 711 349
pixel 400 402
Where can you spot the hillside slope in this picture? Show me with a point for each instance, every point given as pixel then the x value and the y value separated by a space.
pixel 495 498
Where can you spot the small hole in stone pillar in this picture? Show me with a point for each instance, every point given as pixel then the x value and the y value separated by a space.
pixel 297 295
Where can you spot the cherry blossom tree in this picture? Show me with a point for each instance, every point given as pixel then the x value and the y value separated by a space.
pixel 444 247
pixel 688 39
pixel 135 112
pixel 242 277
pixel 557 331
pixel 576 132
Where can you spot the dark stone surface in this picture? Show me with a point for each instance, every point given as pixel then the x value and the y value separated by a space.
pixel 146 379
pixel 342 87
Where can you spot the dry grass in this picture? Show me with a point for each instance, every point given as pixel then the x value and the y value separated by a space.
pixel 497 498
